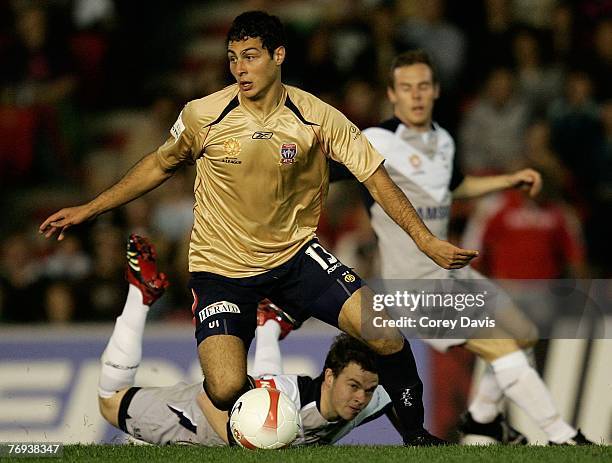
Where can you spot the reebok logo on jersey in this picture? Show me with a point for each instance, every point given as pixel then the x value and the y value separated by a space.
pixel 262 135
pixel 216 308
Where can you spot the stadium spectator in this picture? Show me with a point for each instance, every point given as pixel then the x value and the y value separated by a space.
pixel 38 74
pixel 533 13
pixel 60 304
pixel 599 60
pixel 321 73
pixel 537 82
pixel 352 43
pixel 360 103
pixel 492 128
pixel 603 157
pixel 428 29
pixel 563 33
pixel 146 132
pixel 598 230
pixel 490 36
pixel 576 128
pixel 98 296
pixel 546 230
pixel 20 283
pixel 68 261
pixel 37 69
pixel 539 153
pixel 172 212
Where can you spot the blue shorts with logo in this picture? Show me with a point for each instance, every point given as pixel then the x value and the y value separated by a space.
pixel 313 283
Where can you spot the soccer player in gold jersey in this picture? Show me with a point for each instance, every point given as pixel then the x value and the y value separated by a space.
pixel 261 151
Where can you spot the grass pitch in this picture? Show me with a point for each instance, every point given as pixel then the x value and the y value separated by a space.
pixel 333 454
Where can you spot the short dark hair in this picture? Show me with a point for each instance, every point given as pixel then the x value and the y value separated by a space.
pixel 409 58
pixel 345 350
pixel 253 24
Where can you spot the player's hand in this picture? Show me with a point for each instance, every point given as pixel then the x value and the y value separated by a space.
pixel 447 255
pixel 64 219
pixel 527 179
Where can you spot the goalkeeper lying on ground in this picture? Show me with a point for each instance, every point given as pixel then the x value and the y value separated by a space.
pixel 344 396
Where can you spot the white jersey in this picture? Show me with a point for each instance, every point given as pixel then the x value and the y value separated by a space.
pixel 423 165
pixel 305 392
pixel 171 415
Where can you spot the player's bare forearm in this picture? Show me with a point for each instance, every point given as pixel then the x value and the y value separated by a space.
pixel 473 186
pixel 216 418
pixel 143 177
pixel 397 206
pixel 395 203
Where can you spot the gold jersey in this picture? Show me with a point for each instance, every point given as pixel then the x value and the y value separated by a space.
pixel 260 183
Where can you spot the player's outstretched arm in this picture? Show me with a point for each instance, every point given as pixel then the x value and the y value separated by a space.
pixel 395 203
pixel 144 176
pixel 473 186
pixel 216 418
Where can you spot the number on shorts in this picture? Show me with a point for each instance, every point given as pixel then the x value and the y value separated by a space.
pixel 321 256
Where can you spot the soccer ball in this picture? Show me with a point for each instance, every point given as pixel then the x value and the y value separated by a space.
pixel 265 418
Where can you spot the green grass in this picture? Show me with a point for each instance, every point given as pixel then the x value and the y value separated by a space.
pixel 329 454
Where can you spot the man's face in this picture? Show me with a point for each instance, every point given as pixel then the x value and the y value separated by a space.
pixel 253 67
pixel 350 391
pixel 413 95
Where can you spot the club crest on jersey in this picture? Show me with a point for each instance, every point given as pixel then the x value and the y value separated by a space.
pixel 288 152
pixel 232 150
pixel 231 147
pixel 415 161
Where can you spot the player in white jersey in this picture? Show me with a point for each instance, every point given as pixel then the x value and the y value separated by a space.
pixel 345 395
pixel 420 158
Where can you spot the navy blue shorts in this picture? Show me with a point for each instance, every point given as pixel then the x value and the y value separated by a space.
pixel 313 283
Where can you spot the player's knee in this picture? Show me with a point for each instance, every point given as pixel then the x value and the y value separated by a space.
pixel 223 393
pixel 386 346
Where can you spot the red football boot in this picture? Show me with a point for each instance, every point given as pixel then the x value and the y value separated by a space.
pixel 141 270
pixel 268 311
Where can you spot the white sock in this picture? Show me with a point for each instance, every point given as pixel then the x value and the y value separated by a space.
pixel 530 354
pixel 485 405
pixel 123 353
pixel 268 360
pixel 522 384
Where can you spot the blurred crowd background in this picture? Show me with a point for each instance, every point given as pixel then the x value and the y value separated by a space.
pixel 87 87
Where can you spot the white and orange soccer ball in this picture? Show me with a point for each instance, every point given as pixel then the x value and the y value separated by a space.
pixel 265 418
